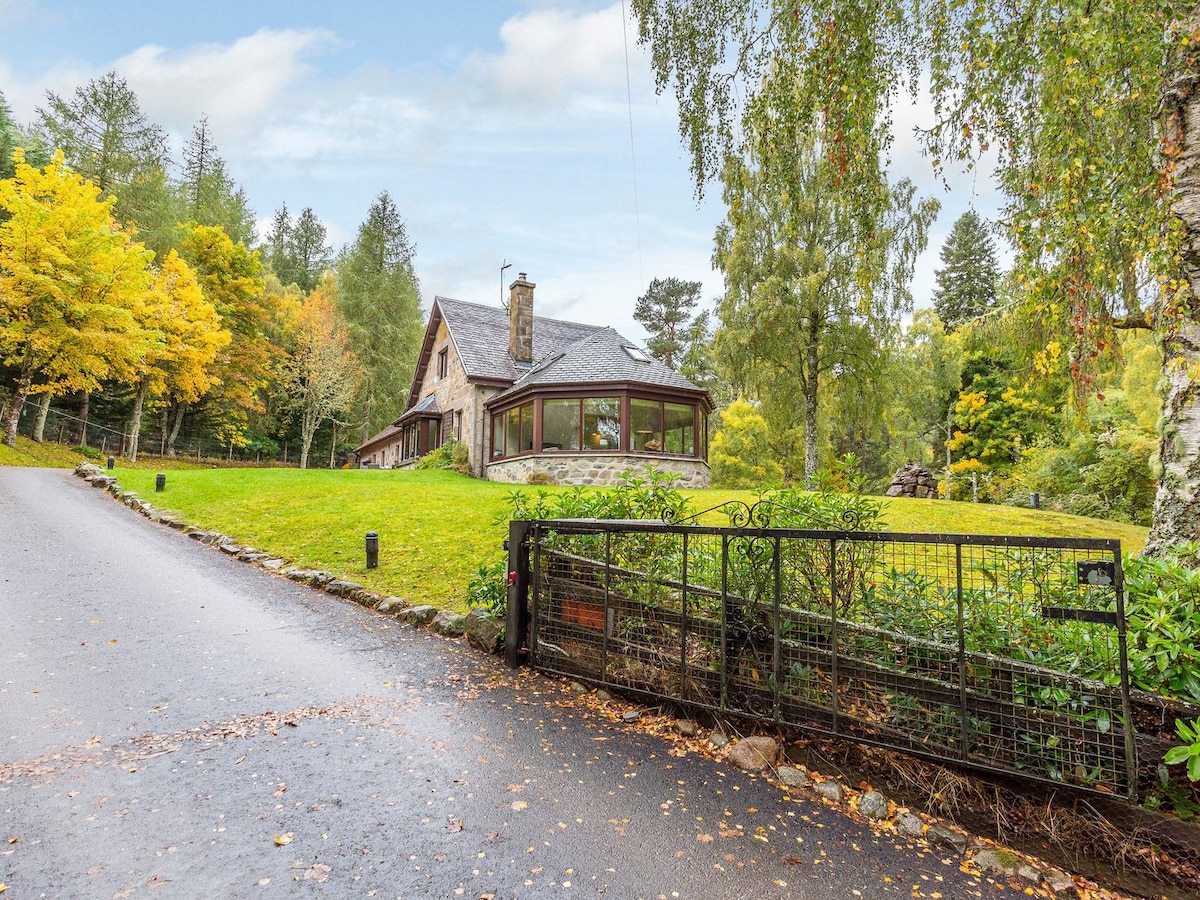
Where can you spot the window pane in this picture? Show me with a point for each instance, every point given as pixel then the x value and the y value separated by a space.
pixel 498 435
pixel 512 432
pixel 526 428
pixel 680 429
pixel 646 426
pixel 602 423
pixel 560 424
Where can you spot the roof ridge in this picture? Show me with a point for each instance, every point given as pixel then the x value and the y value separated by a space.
pixel 500 309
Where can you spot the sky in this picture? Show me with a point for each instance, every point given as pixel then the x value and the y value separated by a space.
pixel 525 132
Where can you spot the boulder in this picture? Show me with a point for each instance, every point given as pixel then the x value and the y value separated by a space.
pixel 753 754
pixel 483 631
pixel 419 615
pixel 448 623
pixel 873 805
pixel 341 588
pixel 830 790
pixel 941 836
pixel 391 605
pixel 792 777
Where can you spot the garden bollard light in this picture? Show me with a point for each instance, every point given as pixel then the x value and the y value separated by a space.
pixel 160 481
pixel 1035 501
pixel 372 550
pixel 111 462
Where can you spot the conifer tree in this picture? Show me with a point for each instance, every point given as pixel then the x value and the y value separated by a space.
pixel 966 282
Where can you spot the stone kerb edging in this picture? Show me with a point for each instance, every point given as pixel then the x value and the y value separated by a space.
pixel 756 755
pixel 480 630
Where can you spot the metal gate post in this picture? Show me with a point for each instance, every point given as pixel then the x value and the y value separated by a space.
pixel 516 627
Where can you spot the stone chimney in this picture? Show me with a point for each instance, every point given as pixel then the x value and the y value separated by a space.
pixel 520 319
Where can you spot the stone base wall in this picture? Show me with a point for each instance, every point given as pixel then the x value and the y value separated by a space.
pixel 591 468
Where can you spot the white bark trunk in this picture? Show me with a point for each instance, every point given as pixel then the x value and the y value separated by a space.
pixel 1177 503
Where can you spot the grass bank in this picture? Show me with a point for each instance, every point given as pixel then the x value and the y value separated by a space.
pixel 436 527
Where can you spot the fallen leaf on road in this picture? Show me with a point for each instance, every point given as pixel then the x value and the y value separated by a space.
pixel 318 872
pixel 282 840
pixel 519 805
pixel 453 825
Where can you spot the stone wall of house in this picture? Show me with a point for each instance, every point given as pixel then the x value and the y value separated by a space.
pixel 455 393
pixel 591 468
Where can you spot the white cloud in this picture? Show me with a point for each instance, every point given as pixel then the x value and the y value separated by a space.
pixel 234 84
pixel 551 55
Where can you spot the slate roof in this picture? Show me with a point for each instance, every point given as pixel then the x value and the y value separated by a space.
pixel 428 406
pixel 480 334
pixel 600 357
pixel 382 439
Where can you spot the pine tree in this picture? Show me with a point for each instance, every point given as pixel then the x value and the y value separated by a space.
pixel 966 283
pixel 379 299
pixel 210 196
pixel 307 251
pixel 665 310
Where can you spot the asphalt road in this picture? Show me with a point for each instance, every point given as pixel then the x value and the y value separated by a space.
pixel 174 723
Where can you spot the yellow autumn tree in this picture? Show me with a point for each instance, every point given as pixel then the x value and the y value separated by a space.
pixel 69 276
pixel 182 336
pixel 323 372
pixel 231 276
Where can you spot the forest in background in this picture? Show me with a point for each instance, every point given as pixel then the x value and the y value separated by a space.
pixel 276 347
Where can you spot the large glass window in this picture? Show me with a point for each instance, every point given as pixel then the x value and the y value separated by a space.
pixel 645 429
pixel 602 423
pixel 512 431
pixel 679 429
pixel 560 424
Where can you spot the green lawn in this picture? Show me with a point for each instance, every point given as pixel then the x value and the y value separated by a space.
pixel 435 527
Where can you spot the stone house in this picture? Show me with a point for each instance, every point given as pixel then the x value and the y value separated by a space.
pixel 537 399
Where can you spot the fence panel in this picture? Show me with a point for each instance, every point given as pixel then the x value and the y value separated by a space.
pixel 998 653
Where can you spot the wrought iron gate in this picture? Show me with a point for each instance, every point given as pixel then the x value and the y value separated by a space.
pixel 1004 654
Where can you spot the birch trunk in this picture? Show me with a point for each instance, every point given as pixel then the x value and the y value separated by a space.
pixel 39 423
pixel 1177 503
pixel 135 424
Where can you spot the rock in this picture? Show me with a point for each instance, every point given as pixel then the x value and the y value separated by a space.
pixel 792 777
pixel 85 469
pixel 369 599
pixel 231 549
pixel 419 615
pixel 603 696
pixel 907 823
pixel 873 805
pixel 718 740
pixel 274 563
pixel 1029 873
pixel 483 631
pixel 1062 884
pixel 256 556
pixel 941 836
pixel 753 754
pixel 448 623
pixel 578 688
pixel 390 605
pixel 996 862
pixel 830 790
pixel 343 588
pixel 208 537
pixel 686 727
pixel 632 715
pixel 912 480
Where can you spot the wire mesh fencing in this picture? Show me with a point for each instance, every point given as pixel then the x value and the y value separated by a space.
pixel 1003 654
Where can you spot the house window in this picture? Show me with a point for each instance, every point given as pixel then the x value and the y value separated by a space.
pixel 646 425
pixel 663 427
pixel 443 362
pixel 602 423
pixel 560 424
pixel 512 431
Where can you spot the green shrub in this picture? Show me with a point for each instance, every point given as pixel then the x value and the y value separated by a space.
pixel 488 588
pixel 1163 612
pixel 452 455
pixel 88 452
